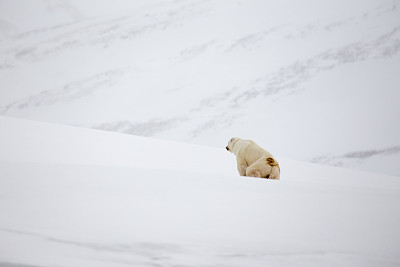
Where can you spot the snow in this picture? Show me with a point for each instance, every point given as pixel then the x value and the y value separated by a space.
pixel 314 82
pixel 311 80
pixel 81 197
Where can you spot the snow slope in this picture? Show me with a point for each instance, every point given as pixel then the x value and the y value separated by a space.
pixel 80 197
pixel 311 80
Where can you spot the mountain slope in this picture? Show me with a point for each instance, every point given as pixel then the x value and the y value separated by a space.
pixel 313 81
pixel 77 197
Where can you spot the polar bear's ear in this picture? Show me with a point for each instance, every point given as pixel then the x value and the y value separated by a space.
pixel 234 139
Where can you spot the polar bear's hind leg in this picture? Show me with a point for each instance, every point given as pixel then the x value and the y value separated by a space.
pixel 253 173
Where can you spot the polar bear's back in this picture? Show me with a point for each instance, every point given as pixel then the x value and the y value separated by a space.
pixel 254 152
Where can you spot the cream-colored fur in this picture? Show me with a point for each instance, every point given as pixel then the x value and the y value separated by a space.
pixel 253 160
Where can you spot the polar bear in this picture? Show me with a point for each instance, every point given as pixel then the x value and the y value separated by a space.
pixel 253 160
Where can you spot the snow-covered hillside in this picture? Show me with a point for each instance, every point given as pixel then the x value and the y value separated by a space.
pixel 311 80
pixel 81 197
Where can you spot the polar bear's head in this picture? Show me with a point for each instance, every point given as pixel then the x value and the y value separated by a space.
pixel 232 143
